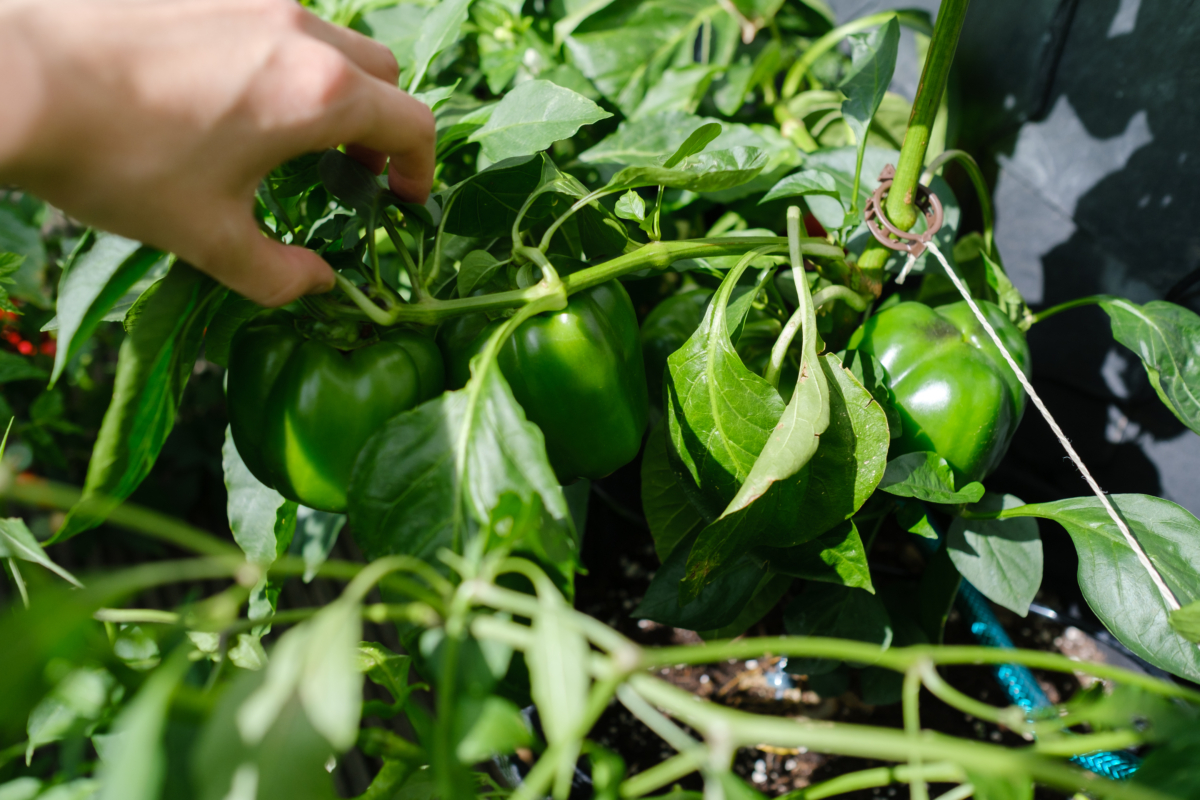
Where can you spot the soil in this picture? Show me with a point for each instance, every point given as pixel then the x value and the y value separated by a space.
pixel 619 555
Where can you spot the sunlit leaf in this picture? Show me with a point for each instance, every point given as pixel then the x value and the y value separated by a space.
pixel 1002 558
pixel 927 476
pixel 533 116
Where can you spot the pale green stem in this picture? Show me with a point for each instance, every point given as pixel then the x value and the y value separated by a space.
pixel 844 293
pixel 19 580
pixel 663 773
pixel 414 272
pixel 578 204
pixel 911 695
pixel 961 792
pixel 1095 299
pixel 150 616
pixel 941 772
pixel 1011 717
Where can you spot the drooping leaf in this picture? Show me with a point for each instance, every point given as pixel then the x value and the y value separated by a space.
pixel 533 116
pixel 1000 557
pixel 218 338
pixel 768 594
pixel 804 497
pixel 1166 337
pixel 696 141
pixel 669 513
pixel 837 556
pixel 867 369
pixel 720 414
pixel 17 541
pixel 926 476
pixel 354 185
pixel 73 707
pixel 155 363
pixel 431 477
pixel 1115 584
pixel 710 171
pixel 99 273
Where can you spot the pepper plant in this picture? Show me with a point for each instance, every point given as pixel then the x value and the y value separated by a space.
pixel 797 382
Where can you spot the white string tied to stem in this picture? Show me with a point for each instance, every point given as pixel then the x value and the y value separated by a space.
pixel 1167 595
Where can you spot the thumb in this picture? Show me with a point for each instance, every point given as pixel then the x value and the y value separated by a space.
pixel 266 271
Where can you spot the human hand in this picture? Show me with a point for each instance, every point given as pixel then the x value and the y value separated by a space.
pixel 157 119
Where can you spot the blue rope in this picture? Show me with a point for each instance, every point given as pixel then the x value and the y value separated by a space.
pixel 1023 689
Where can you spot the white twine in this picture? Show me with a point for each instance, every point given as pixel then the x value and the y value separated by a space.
pixel 908 265
pixel 1167 595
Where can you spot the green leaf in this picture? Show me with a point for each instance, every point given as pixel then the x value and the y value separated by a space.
pixel 218 338
pixel 558 685
pixel 1001 557
pixel 1008 297
pixel 720 414
pixel 631 206
pixel 926 476
pixel 20 788
pixel 808 181
pixel 498 730
pixel 770 590
pixel 533 116
pixel 354 185
pixel 155 363
pixel 14 368
pixel 431 477
pixel 71 708
pixel 387 669
pixel 317 662
pixel 868 371
pixel 669 513
pixel 17 541
pixel 710 171
pixel 795 497
pixel 677 89
pixel 98 274
pixel 718 604
pixel 990 786
pixel 263 523
pixel 836 556
pixel 10 263
pixel 316 534
pixel 826 609
pixel 439 30
pixel 438 95
pixel 1115 584
pixel 625 48
pixel 135 768
pixel 21 235
pixel 486 204
pixel 1186 621
pixel 873 62
pixel 288 763
pixel 476 269
pixel 1166 337
pixel 696 141
pixel 1170 767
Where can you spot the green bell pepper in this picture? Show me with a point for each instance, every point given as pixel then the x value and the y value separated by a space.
pixel 955 392
pixel 301 408
pixel 577 373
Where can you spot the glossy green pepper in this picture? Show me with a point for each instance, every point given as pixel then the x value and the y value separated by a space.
pixel 300 409
pixel 955 392
pixel 577 373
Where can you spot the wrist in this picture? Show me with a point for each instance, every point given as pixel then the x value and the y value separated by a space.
pixel 22 92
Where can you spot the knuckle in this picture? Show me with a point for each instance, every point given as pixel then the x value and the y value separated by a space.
pixel 324 76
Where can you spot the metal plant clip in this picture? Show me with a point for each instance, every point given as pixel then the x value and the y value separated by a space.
pixel 889 235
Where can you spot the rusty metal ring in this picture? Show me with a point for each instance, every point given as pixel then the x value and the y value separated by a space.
pixel 911 243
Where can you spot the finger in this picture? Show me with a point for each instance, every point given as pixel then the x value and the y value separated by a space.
pixel 266 271
pixel 372 57
pixel 379 117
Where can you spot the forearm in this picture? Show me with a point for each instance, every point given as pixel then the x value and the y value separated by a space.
pixel 21 92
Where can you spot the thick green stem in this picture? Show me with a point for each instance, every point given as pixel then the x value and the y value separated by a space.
pixel 844 293
pixel 414 272
pixel 899 206
pixel 911 695
pixel 1067 306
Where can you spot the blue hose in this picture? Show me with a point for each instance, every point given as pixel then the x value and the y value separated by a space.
pixel 1023 689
